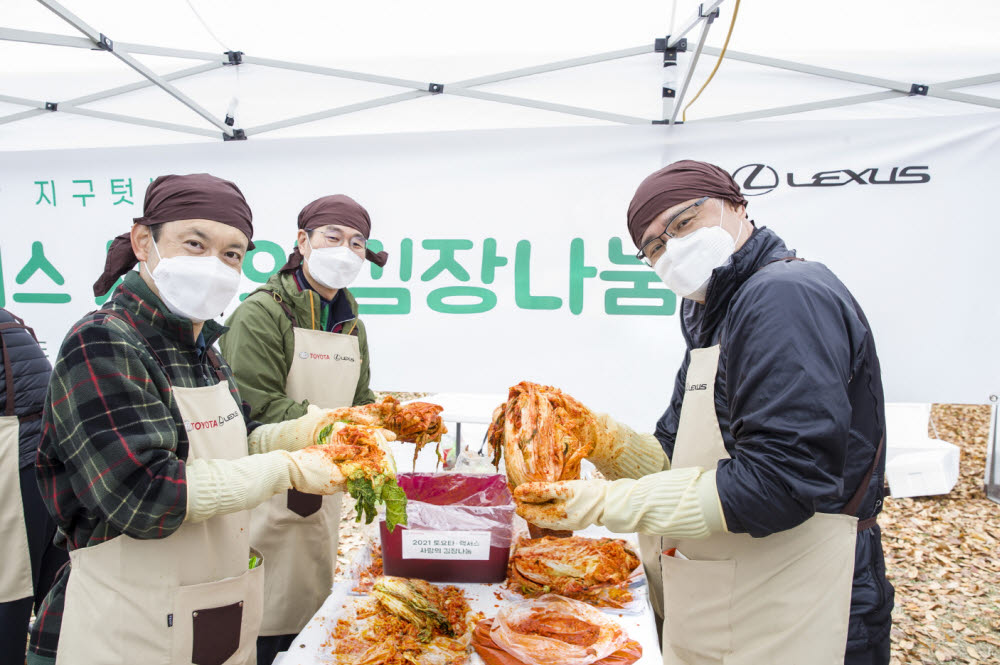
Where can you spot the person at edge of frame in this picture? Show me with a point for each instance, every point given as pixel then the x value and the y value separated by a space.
pixel 31 560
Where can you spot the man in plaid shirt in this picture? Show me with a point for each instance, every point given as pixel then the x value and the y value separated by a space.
pixel 149 517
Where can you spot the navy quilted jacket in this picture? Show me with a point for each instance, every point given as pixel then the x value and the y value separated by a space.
pixel 30 369
pixel 798 396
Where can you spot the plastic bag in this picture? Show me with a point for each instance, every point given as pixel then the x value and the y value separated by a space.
pixel 494 655
pixel 527 630
pixel 599 590
pixel 460 502
pixel 365 568
pixel 633 607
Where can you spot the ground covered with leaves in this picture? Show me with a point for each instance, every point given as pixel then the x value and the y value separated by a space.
pixel 942 555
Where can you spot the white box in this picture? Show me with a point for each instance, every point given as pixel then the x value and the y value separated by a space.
pixel 922 468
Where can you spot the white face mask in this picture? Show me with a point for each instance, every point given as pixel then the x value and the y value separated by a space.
pixel 687 263
pixel 194 287
pixel 333 267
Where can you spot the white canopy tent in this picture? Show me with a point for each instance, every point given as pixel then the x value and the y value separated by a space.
pixel 102 73
pixel 317 68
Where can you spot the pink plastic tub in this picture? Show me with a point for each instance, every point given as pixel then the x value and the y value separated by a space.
pixel 460 529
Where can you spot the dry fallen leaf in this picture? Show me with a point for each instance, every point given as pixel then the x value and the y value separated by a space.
pixel 943 555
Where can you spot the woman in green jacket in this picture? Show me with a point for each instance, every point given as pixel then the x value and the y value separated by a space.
pixel 294 343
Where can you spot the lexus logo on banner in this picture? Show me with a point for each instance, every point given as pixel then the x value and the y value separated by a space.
pixel 757 179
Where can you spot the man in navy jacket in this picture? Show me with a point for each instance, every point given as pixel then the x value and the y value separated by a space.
pixel 757 496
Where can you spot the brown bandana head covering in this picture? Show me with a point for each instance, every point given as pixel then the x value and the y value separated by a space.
pixel 170 198
pixel 337 209
pixel 676 183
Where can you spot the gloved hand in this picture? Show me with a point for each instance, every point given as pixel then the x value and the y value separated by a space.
pixel 563 505
pixel 295 434
pixel 220 486
pixel 621 452
pixel 289 434
pixel 682 503
pixel 314 472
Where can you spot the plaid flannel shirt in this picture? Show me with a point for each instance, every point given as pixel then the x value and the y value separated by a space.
pixel 111 456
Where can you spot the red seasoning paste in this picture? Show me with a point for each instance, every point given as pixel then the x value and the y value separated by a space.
pixel 558 626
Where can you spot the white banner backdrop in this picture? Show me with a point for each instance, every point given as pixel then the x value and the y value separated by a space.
pixel 509 257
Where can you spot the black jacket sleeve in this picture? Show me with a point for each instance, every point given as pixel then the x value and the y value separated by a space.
pixel 788 358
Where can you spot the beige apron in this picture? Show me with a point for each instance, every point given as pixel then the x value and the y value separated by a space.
pixel 15 569
pixel 781 600
pixel 298 533
pixel 186 598
pixel 15 572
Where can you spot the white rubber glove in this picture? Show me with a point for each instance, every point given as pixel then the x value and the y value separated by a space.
pixel 288 435
pixel 567 505
pixel 313 471
pixel 682 503
pixel 621 452
pixel 220 487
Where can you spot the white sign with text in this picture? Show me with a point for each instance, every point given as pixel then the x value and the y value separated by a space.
pixel 461 545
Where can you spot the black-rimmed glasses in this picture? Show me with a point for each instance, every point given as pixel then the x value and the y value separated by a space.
pixel 651 249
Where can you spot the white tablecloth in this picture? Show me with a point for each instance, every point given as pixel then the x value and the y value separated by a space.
pixel 312 645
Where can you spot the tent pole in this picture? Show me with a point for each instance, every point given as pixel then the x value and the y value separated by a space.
pixel 967 82
pixel 22 101
pixel 550 67
pixel 810 106
pixel 991 481
pixel 340 110
pixel 106 44
pixel 992 102
pixel 139 85
pixel 703 12
pixel 143 122
pixel 47 38
pixel 802 68
pixel 709 18
pixel 22 115
pixel 339 73
pixel 548 106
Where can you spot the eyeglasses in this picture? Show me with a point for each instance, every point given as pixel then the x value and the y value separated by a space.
pixel 652 248
pixel 355 243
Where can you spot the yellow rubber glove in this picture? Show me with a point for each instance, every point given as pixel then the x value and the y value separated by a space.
pixel 621 452
pixel 220 486
pixel 683 503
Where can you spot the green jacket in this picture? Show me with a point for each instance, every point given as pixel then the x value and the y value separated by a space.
pixel 259 344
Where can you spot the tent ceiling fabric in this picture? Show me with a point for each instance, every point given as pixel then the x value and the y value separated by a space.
pixel 315 68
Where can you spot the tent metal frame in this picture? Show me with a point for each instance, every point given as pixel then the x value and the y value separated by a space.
pixel 991 476
pixel 672 98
